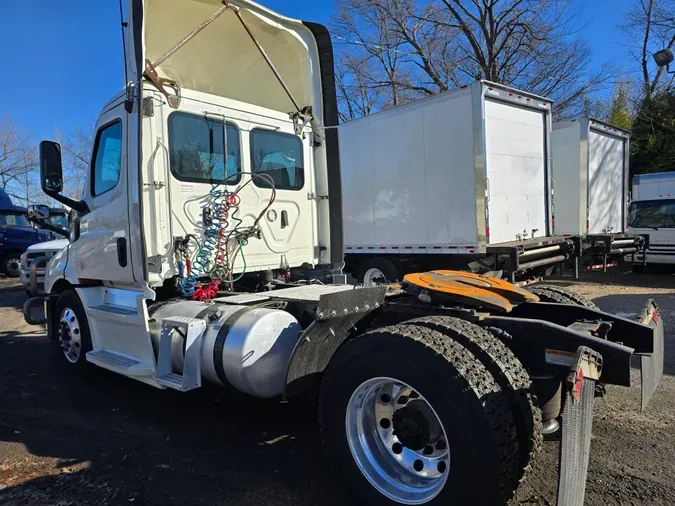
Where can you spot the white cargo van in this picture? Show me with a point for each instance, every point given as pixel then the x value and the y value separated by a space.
pixel 590 174
pixel 652 211
pixel 459 177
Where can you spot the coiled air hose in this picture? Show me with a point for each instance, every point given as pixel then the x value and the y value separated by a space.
pixel 213 259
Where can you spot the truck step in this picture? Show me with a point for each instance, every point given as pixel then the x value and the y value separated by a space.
pixel 191 330
pixel 172 380
pixel 118 363
pixel 115 314
pixel 120 310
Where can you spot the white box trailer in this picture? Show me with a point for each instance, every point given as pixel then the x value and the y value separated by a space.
pixel 652 213
pixel 591 176
pixel 656 186
pixel 462 173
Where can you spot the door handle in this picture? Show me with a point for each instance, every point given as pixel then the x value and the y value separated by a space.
pixel 284 219
pixel 122 251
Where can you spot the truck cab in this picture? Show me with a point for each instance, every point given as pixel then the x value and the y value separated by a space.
pixel 172 147
pixel 652 213
pixel 16 235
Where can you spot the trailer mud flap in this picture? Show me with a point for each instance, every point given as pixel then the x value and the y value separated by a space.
pixel 651 365
pixel 577 423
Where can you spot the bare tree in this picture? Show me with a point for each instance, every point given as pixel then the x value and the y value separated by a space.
pixel 423 48
pixel 356 87
pixel 76 151
pixel 17 159
pixel 651 26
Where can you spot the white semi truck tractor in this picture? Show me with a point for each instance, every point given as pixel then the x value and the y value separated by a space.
pixel 208 247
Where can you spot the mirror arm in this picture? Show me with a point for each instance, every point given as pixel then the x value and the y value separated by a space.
pixel 48 226
pixel 79 205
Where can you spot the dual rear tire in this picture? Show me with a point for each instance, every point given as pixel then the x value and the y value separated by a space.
pixel 432 411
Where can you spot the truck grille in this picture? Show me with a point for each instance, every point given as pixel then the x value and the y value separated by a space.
pixel 29 257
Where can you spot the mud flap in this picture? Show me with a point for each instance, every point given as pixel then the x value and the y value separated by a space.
pixel 577 423
pixel 651 365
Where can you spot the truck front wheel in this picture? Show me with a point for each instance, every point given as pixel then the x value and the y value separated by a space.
pixel 72 329
pixel 409 416
pixel 11 265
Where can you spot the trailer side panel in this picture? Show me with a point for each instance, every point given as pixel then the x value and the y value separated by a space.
pixel 408 177
pixel 570 180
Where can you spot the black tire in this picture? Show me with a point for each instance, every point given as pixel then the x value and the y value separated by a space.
pixel 552 293
pixel 510 375
pixel 473 409
pixel 70 300
pixel 11 264
pixel 387 267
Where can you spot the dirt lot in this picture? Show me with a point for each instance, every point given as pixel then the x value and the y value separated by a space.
pixel 110 440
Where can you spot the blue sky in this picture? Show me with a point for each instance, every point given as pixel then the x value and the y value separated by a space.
pixel 62 60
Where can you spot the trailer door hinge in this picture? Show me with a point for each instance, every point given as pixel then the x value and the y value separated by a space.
pixel 313 196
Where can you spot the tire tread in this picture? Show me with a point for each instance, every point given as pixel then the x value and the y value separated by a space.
pixel 510 375
pixel 482 385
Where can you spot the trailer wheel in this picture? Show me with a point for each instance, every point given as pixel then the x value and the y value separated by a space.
pixel 378 270
pixel 552 293
pixel 509 374
pixel 411 417
pixel 72 329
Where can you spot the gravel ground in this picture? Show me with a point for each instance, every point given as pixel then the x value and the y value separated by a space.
pixel 103 439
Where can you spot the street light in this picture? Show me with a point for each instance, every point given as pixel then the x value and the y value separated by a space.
pixel 664 58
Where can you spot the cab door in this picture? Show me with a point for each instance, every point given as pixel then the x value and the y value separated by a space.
pixel 102 249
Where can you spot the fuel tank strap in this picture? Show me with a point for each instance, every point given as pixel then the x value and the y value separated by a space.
pixel 220 343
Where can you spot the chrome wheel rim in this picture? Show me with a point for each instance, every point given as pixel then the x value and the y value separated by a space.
pixel 397 441
pixel 13 267
pixel 373 276
pixel 70 336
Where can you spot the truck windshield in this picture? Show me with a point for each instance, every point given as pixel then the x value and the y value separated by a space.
pixel 652 214
pixel 13 220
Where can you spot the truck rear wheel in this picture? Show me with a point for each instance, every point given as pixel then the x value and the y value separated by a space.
pixel 72 329
pixel 378 270
pixel 552 293
pixel 411 417
pixel 509 374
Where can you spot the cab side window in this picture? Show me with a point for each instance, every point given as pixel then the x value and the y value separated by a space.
pixel 107 161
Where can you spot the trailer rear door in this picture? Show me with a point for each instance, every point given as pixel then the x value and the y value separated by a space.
pixel 605 183
pixel 516 153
